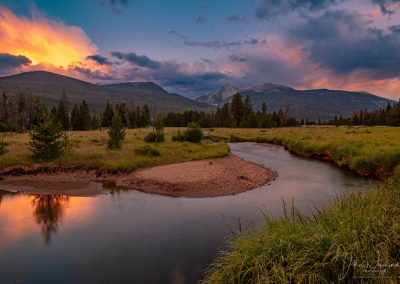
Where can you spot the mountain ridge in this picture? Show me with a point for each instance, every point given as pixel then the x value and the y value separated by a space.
pixel 50 86
pixel 313 104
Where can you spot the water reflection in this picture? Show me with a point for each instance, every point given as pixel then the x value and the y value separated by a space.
pixel 4 194
pixel 48 213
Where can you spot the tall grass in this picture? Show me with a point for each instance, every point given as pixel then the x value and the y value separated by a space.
pixel 356 239
pixel 365 150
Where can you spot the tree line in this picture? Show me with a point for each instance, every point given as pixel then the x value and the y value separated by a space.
pixel 239 113
pixel 22 112
pixel 389 116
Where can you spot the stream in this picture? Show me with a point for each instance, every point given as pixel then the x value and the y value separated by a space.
pixel 126 236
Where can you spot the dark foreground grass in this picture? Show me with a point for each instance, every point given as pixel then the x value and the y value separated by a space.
pixel 357 239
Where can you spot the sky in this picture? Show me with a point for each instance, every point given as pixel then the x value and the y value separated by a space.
pixel 193 47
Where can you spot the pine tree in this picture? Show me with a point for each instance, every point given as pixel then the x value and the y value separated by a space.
pixel 116 132
pixel 145 116
pixel 107 115
pixel 237 109
pixel 62 112
pixel 46 139
pixel 84 116
pixel 75 120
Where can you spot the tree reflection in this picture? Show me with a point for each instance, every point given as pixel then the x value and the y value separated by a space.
pixel 48 213
pixel 4 194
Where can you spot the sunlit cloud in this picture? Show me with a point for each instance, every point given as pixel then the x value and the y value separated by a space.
pixel 43 41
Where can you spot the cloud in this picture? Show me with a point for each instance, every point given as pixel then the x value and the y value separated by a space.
pixel 387 6
pixel 175 33
pixel 175 76
pixel 133 58
pixel 200 20
pixel 218 44
pixel 99 59
pixel 118 6
pixel 235 58
pixel 343 42
pixel 238 18
pixel 43 40
pixel 268 9
pixel 208 61
pixel 9 62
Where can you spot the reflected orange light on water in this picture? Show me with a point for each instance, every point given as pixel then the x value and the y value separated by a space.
pixel 22 215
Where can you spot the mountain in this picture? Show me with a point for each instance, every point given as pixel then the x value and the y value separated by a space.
pixel 49 86
pixel 218 96
pixel 150 93
pixel 312 104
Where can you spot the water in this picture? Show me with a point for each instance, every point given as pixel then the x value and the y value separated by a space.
pixel 134 237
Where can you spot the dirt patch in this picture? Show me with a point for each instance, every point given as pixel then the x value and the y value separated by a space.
pixel 205 178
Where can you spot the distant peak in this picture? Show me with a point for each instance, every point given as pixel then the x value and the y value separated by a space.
pixel 268 86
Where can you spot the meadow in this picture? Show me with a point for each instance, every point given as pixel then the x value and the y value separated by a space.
pixel 373 151
pixel 89 150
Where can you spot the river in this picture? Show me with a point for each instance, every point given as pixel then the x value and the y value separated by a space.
pixel 126 236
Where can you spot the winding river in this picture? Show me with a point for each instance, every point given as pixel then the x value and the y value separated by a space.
pixel 134 237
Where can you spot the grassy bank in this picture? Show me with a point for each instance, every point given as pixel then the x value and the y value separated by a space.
pixel 337 244
pixel 89 150
pixel 355 238
pixel 365 150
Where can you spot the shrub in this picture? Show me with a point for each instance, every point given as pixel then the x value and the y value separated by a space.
pixel 179 136
pixel 3 147
pixel 154 137
pixel 158 132
pixel 116 132
pixel 192 134
pixel 148 151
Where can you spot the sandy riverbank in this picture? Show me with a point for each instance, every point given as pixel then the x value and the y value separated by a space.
pixel 205 178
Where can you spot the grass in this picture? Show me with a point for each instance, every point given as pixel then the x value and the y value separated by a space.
pixel 365 150
pixel 357 237
pixel 90 150
pixel 334 245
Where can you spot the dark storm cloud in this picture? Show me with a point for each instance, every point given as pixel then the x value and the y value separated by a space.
pixel 9 62
pixel 268 9
pixel 99 59
pixel 385 5
pixel 342 42
pixel 133 58
pixel 236 58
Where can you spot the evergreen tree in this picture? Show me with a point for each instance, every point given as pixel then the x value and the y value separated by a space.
pixel 75 120
pixel 62 112
pixel 84 116
pixel 116 132
pixel 46 138
pixel 145 116
pixel 237 109
pixel 95 122
pixel 107 115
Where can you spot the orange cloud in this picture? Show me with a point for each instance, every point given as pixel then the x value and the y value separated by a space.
pixel 43 41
